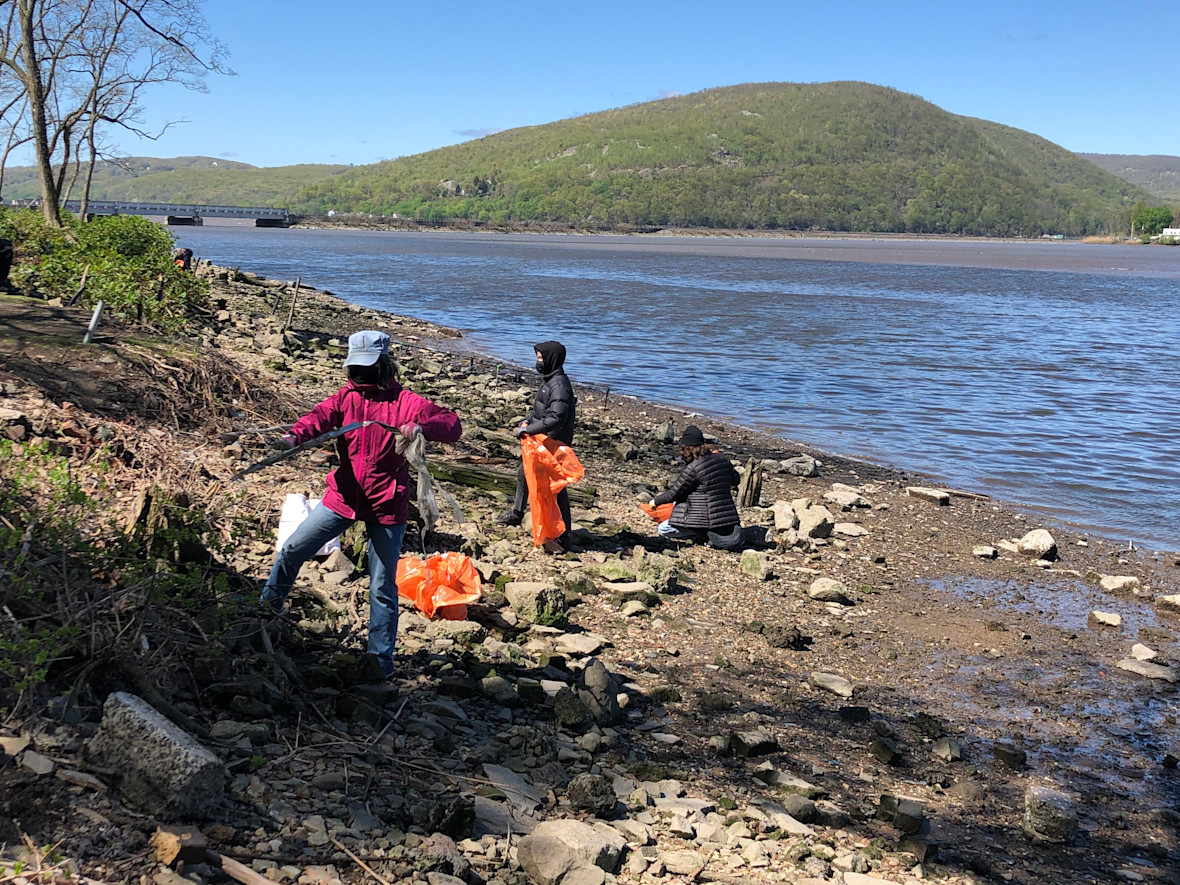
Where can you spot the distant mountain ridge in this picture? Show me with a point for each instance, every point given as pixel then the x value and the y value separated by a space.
pixel 203 180
pixel 1157 173
pixel 788 156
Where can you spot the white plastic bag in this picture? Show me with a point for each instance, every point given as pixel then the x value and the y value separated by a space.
pixel 295 510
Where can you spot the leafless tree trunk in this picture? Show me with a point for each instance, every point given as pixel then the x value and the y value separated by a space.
pixel 83 64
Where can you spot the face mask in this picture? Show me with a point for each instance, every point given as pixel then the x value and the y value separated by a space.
pixel 541 366
pixel 364 374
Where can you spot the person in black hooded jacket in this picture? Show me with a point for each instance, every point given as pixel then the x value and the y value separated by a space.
pixel 554 413
pixel 703 504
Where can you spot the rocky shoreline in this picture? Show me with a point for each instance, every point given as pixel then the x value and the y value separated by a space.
pixel 893 683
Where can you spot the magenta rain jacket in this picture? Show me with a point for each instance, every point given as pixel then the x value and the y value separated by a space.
pixel 370 483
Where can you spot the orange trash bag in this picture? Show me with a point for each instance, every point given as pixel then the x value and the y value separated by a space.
pixel 660 513
pixel 549 466
pixel 442 584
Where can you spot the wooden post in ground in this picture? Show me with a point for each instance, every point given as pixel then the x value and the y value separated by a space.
pixel 291 312
pixel 750 487
pixel 81 287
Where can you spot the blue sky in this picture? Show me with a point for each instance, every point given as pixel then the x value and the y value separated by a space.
pixel 358 81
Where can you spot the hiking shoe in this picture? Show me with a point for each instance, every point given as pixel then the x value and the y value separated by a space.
pixel 381 692
pixel 510 517
pixel 553 547
pixel 372 671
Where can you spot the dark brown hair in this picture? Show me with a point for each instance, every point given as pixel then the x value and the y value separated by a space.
pixel 691 453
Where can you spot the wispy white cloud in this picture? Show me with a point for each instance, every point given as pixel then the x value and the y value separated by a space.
pixel 669 93
pixel 477 133
pixel 229 155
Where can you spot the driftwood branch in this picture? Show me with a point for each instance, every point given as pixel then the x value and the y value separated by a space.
pixel 496 480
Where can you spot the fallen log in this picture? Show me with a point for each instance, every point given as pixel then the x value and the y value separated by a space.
pixel 497 480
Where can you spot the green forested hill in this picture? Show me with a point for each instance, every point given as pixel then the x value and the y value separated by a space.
pixel 1157 173
pixel 202 180
pixel 823 156
pixel 832 156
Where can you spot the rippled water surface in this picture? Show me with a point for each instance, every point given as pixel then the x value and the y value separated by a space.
pixel 1046 374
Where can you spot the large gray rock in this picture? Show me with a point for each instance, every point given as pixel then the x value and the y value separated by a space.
pixel 1049 815
pixel 755 564
pixel 599 691
pixel 159 767
pixel 815 520
pixel 784 516
pixel 537 602
pixel 758 742
pixel 683 862
pixel 837 685
pixel 1119 583
pixel 1038 543
pixel 557 847
pixel 845 497
pixel 829 590
pixel 592 793
pixel 801 465
pixel 1148 669
pixel 662 572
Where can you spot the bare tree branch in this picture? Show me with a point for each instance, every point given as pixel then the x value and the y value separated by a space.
pixel 84 64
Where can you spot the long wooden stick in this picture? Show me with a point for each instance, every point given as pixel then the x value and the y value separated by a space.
pixel 364 866
pixel 236 870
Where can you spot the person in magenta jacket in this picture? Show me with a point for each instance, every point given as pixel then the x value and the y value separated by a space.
pixel 371 483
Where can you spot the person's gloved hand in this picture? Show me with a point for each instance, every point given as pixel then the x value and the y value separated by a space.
pixel 651 503
pixel 408 430
pixel 519 432
pixel 282 443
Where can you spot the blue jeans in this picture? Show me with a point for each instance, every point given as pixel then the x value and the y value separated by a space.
pixel 666 530
pixel 385 546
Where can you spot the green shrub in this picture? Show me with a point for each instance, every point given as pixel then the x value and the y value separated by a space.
pixel 129 260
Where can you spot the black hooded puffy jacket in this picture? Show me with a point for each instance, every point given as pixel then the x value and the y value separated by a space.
pixel 702 496
pixel 555 408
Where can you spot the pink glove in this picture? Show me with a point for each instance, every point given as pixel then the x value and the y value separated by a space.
pixel 408 430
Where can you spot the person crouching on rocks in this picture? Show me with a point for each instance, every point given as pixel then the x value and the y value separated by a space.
pixel 704 510
pixel 554 413
pixel 369 485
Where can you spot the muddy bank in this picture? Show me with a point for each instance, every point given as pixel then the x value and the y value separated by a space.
pixel 971 675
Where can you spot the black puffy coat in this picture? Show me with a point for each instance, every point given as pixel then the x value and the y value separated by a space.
pixel 555 407
pixel 702 496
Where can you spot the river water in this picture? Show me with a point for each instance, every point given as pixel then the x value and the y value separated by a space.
pixel 1044 374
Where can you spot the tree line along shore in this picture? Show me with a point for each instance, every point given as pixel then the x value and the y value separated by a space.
pixel 891 683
